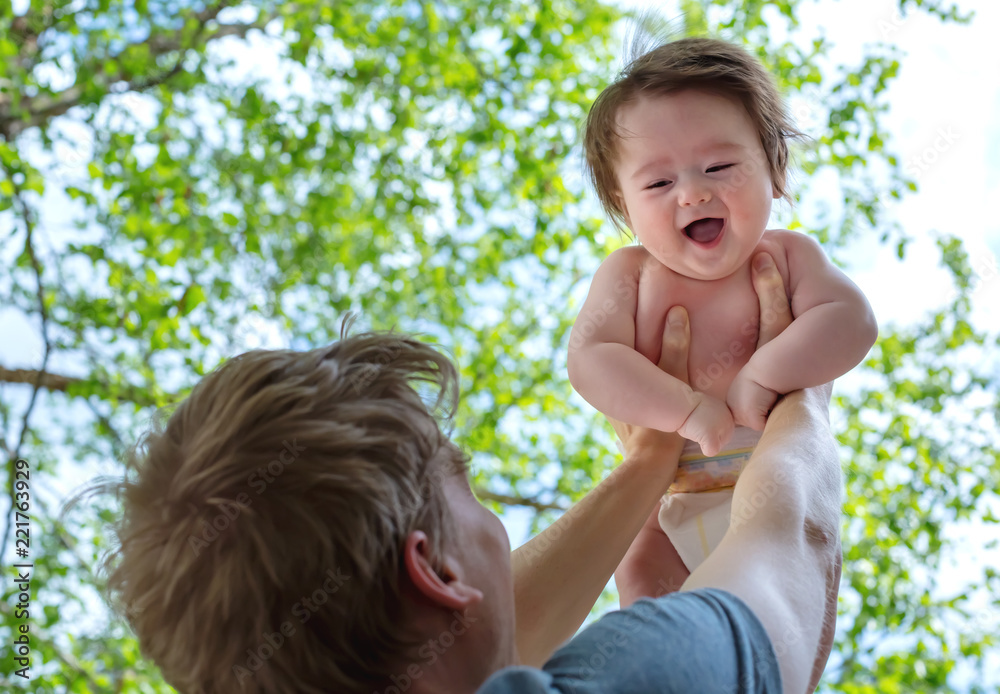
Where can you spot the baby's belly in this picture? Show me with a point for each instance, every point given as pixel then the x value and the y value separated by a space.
pixel 723 317
pixel 722 342
pixel 713 366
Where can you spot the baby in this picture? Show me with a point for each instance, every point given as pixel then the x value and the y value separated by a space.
pixel 688 149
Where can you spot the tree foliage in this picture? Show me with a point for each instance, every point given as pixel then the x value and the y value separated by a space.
pixel 180 182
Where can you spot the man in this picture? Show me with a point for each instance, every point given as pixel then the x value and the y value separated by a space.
pixel 301 524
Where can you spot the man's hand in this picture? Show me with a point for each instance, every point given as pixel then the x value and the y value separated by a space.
pixel 749 401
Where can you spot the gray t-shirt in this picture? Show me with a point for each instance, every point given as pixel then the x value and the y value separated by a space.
pixel 703 641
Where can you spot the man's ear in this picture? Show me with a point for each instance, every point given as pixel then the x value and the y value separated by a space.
pixel 444 588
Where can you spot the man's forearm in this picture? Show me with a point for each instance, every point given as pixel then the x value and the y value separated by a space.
pixel 797 459
pixel 781 553
pixel 560 573
pixel 799 462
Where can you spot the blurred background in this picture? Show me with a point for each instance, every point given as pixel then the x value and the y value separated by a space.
pixel 181 182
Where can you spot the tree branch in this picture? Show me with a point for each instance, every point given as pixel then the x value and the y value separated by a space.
pixel 63 384
pixel 46 380
pixel 118 445
pixel 59 383
pixel 517 501
pixel 34 111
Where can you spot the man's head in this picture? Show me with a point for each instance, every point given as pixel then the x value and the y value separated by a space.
pixel 636 169
pixel 301 523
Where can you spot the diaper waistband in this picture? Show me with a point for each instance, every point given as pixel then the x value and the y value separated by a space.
pixel 698 473
pixel 743 437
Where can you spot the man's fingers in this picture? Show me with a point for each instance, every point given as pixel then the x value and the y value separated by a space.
pixel 676 339
pixel 775 314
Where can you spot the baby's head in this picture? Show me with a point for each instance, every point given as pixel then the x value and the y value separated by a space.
pixel 666 122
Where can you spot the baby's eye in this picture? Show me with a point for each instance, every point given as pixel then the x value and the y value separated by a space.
pixel 658 184
pixel 719 167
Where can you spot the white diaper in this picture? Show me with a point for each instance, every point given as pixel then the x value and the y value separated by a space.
pixel 695 513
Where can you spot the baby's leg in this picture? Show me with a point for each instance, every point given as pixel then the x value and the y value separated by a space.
pixel 651 567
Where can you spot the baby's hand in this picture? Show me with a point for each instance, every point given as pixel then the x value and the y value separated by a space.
pixel 710 424
pixel 750 402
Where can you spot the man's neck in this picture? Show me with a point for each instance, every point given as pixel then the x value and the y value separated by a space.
pixel 444 666
pixel 447 675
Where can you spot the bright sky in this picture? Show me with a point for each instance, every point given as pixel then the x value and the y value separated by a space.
pixel 945 120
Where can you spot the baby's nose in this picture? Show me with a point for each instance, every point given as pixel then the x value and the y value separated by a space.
pixel 693 193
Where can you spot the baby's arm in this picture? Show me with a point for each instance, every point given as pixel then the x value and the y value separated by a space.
pixel 832 331
pixel 605 368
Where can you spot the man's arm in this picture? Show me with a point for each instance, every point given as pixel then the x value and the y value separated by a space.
pixel 781 554
pixel 560 573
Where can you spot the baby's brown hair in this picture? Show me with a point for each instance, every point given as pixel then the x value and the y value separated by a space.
pixel 690 63
pixel 260 546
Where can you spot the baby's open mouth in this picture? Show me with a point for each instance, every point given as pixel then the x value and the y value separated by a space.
pixel 704 230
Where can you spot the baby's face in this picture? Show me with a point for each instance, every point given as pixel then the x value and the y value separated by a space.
pixel 694 181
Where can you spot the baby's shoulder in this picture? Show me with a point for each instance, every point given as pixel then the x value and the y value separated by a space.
pixel 634 261
pixel 631 255
pixel 798 256
pixel 787 241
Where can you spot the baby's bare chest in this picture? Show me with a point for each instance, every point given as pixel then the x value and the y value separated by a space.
pixel 723 317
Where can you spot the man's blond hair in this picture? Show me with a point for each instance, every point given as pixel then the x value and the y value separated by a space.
pixel 260 546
